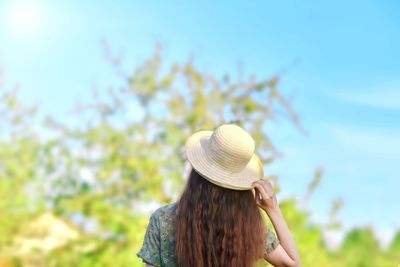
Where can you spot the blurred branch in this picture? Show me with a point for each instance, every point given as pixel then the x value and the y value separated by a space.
pixel 314 184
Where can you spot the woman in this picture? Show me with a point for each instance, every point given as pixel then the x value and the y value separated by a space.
pixel 217 220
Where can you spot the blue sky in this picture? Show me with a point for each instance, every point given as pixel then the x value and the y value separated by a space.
pixel 341 60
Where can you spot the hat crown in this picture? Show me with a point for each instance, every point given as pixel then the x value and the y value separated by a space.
pixel 231 147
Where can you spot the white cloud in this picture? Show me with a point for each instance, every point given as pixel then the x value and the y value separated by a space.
pixel 385 236
pixel 378 142
pixel 386 97
pixel 333 239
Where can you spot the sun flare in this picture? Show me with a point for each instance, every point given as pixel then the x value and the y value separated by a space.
pixel 24 18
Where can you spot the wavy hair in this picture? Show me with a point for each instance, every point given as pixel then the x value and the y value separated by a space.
pixel 215 226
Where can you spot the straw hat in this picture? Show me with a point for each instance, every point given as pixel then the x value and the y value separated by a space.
pixel 225 157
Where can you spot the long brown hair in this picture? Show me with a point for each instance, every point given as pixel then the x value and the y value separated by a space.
pixel 215 226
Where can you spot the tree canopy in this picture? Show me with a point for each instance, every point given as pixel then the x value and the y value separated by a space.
pixel 94 174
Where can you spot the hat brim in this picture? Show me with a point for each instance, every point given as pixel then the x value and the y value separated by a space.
pixel 196 152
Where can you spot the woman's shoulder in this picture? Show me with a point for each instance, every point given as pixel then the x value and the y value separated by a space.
pixel 159 242
pixel 165 212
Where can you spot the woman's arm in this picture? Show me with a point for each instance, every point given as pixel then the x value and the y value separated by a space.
pixel 286 254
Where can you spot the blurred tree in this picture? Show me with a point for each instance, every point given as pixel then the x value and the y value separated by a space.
pixel 102 167
pixel 20 197
pixel 392 255
pixel 128 150
pixel 360 242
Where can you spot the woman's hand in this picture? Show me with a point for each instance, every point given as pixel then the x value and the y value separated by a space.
pixel 265 195
pixel 286 253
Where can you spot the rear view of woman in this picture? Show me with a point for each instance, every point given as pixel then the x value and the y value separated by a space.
pixel 217 220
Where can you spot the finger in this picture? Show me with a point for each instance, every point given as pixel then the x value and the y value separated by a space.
pixel 265 184
pixel 269 188
pixel 261 190
pixel 269 191
pixel 257 196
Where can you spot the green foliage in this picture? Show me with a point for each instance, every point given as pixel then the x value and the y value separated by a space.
pixel 125 149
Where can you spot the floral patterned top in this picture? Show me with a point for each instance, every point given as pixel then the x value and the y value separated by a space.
pixel 159 242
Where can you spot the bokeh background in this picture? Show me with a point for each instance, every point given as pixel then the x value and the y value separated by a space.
pixel 97 99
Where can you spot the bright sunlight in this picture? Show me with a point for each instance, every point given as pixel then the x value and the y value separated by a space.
pixel 24 18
